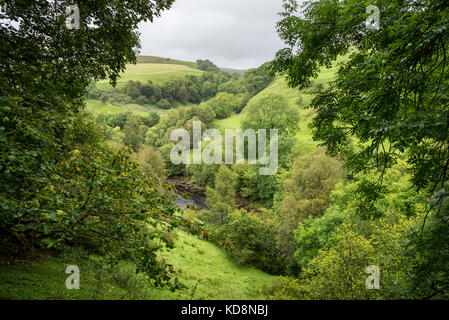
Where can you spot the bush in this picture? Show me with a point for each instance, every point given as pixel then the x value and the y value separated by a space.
pixel 163 104
pixel 151 120
pixel 247 239
pixel 134 133
pixel 223 104
pixel 141 100
pixel 171 169
pixel 104 97
pixel 338 271
pixel 151 163
pixel 221 198
pixel 92 196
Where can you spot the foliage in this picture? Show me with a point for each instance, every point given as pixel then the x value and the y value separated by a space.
pixel 338 272
pixel 207 65
pixel 95 197
pixel 170 168
pixel 134 133
pixel 271 112
pixel 163 104
pixel 315 233
pixel 151 163
pixel 390 94
pixel 257 79
pixel 221 198
pixel 178 118
pixel 247 239
pixel 342 228
pixel 61 184
pixel 203 174
pixel 306 193
pixel 255 186
pixel 191 257
pixel 307 190
pixel 223 104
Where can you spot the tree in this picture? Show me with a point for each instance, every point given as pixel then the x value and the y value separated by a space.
pixel 141 100
pixel 151 163
pixel 147 90
pixel 151 120
pixel 203 174
pixel 221 198
pixel 246 237
pixel 182 94
pixel 171 168
pixel 338 271
pixel 315 232
pixel 132 89
pixel 104 97
pixel 257 79
pixel 208 90
pixel 271 112
pixel 223 104
pixel 306 193
pixel 390 94
pixel 61 185
pixel 134 132
pixel 207 65
pixel 233 86
pixel 168 89
pixel 307 190
pixel 92 91
pixel 163 104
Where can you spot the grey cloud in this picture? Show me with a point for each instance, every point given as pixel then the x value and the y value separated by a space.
pixel 232 33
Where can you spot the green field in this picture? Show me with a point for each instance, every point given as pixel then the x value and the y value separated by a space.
pixel 98 107
pixel 199 264
pixel 156 72
pixel 153 59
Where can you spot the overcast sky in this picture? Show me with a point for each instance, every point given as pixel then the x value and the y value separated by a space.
pixel 237 34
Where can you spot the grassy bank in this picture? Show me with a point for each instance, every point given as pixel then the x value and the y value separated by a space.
pixel 202 267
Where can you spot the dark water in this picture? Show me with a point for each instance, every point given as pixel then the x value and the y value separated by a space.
pixel 193 200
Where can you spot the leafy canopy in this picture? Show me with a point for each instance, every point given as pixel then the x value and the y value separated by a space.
pixel 391 93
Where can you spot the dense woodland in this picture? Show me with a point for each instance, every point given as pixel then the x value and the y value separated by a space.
pixel 370 189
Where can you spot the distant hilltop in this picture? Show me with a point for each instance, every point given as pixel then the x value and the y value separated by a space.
pixel 154 59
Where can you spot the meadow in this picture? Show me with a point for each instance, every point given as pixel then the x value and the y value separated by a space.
pixel 201 266
pixel 156 72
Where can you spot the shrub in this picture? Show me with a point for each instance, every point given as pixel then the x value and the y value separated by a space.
pixel 163 104
pixel 141 100
pixel 247 239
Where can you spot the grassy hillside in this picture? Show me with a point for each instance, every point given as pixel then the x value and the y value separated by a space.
pixel 156 72
pixel 279 86
pixel 207 265
pixel 153 59
pixel 98 107
pixel 202 267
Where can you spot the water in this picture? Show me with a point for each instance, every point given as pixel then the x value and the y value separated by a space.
pixel 193 201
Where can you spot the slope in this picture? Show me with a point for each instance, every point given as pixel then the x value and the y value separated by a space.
pixel 202 267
